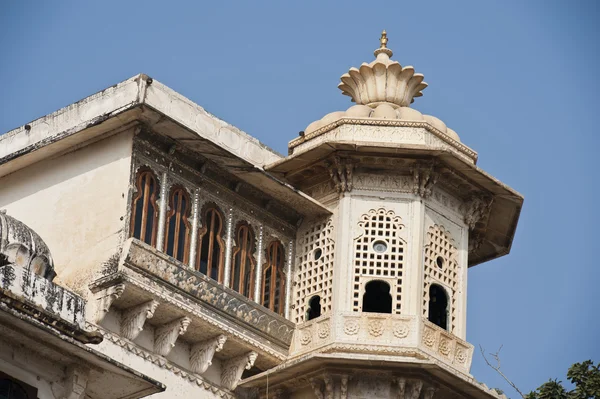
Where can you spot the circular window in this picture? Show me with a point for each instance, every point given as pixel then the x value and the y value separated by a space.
pixel 380 246
pixel 317 253
pixel 439 261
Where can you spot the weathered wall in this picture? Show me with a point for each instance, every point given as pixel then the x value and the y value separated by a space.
pixel 77 203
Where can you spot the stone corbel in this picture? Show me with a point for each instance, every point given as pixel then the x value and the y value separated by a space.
pixel 104 300
pixel 232 369
pixel 344 387
pixel 280 394
pixel 322 390
pixel 429 392
pixel 133 319
pixel 76 382
pixel 202 353
pixel 166 336
pixel 424 178
pixel 476 210
pixel 340 171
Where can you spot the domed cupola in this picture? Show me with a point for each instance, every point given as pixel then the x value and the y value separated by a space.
pixel 21 246
pixel 383 91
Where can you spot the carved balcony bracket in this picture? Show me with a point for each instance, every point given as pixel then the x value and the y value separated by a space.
pixel 340 171
pixel 76 382
pixel 105 298
pixel 232 369
pixel 344 387
pixel 476 210
pixel 424 178
pixel 202 353
pixel 166 336
pixel 323 389
pixel 133 319
pixel 429 392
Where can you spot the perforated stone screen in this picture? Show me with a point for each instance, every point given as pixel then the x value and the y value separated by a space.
pixel 441 266
pixel 314 273
pixel 379 255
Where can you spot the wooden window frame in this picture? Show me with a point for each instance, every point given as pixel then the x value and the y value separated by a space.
pixel 182 221
pixel 214 238
pixel 245 247
pixel 149 200
pixel 274 250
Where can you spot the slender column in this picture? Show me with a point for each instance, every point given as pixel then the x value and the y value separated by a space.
pixel 259 262
pixel 288 279
pixel 194 237
pixel 228 249
pixel 162 214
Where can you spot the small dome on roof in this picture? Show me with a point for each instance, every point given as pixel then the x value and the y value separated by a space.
pixel 21 246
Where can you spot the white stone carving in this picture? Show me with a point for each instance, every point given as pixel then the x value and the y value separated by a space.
pixel 202 353
pixel 340 170
pixel 476 210
pixel 305 337
pixel 351 327
pixel 105 298
pixel 133 319
pixel 424 178
pixel 376 328
pixel 344 387
pixel 323 390
pixel 166 336
pixel 232 369
pixel 401 330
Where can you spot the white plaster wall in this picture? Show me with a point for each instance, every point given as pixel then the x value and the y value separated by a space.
pixel 77 202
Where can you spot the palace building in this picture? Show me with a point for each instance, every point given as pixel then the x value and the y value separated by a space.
pixel 150 249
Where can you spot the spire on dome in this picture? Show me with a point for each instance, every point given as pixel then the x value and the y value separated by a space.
pixel 383 80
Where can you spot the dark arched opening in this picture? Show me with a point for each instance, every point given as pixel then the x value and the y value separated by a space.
pixel 438 306
pixel 377 298
pixel 314 308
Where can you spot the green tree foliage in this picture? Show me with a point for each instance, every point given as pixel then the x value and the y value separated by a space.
pixel 584 376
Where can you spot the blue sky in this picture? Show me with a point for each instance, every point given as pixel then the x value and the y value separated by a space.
pixel 516 79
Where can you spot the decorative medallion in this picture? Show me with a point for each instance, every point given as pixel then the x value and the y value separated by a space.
pixel 401 330
pixel 305 338
pixel 444 347
pixel 376 328
pixel 461 355
pixel 351 327
pixel 429 338
pixel 323 331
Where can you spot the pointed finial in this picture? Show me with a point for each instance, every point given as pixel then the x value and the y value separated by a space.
pixel 383 40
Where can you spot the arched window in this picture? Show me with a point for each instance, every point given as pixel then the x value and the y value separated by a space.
pixel 144 209
pixel 177 232
pixel 273 289
pixel 242 272
pixel 438 306
pixel 9 389
pixel 211 247
pixel 314 308
pixel 377 298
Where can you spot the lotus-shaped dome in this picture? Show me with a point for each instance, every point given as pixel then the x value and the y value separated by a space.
pixel 383 81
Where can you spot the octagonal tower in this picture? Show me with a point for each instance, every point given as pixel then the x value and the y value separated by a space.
pixel 380 287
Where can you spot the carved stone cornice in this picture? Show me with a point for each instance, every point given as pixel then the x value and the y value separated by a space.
pixel 133 319
pixel 201 354
pixel 166 335
pixel 232 369
pixel 105 298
